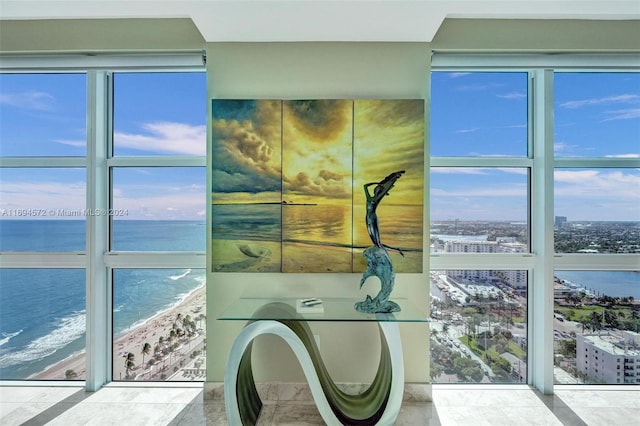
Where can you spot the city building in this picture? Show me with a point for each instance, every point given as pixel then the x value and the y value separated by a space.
pixel 516 279
pixel 609 357
pixel 560 221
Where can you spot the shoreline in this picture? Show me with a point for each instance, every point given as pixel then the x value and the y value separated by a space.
pixel 133 339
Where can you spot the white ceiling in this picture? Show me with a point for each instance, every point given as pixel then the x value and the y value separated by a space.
pixel 326 20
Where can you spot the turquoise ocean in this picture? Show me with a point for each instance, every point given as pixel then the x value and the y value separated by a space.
pixel 42 311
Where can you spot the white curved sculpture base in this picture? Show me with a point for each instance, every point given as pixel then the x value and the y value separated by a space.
pixel 386 414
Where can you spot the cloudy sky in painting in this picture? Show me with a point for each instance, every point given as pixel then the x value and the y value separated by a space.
pixel 322 141
pixel 246 151
pixel 388 137
pixel 317 151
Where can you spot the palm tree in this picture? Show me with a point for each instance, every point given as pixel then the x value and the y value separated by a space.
pixel 146 348
pixel 129 362
pixel 200 318
pixel 445 328
pixel 186 320
pixel 595 320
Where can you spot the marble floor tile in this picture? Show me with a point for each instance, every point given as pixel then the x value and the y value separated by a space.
pixel 296 414
pixel 605 398
pixel 418 413
pixel 208 413
pixel 291 405
pixel 266 415
pixel 613 416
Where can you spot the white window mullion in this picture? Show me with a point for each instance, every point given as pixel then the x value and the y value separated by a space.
pixel 541 282
pixel 98 311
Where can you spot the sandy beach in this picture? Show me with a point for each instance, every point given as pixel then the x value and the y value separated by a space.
pixel 179 364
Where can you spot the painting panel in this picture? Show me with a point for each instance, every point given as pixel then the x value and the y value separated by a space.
pixel 388 137
pixel 316 185
pixel 288 183
pixel 246 191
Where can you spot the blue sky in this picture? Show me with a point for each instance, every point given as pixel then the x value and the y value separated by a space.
pixel 472 114
pixel 484 114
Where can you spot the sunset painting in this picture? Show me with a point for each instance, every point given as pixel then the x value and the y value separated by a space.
pixel 288 183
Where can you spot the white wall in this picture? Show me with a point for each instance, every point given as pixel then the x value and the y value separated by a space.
pixel 317 71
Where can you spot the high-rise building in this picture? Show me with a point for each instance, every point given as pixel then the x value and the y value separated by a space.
pixel 560 221
pixel 609 358
pixel 516 279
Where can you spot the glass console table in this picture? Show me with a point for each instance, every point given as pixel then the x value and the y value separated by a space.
pixel 379 404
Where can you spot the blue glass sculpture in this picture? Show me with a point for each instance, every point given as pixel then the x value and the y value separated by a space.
pixel 378 260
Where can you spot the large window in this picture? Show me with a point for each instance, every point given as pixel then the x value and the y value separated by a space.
pixel 479 326
pixel 158 324
pixel 597 221
pixel 120 219
pixel 479 206
pixel 42 315
pixel 505 148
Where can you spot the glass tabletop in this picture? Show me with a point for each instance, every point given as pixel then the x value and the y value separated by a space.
pixel 331 309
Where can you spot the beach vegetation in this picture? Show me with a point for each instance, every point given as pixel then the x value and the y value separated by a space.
pixel 146 348
pixel 70 374
pixel 129 363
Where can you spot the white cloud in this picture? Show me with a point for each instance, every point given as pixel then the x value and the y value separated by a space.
pixel 636 155
pixel 459 170
pixel 623 114
pixel 473 87
pixel 74 143
pixel 457 74
pixel 513 95
pixel 626 98
pixel 47 196
pixel 185 205
pixel 166 137
pixel 523 171
pixel 597 184
pixel 161 202
pixel 483 192
pixel 471 130
pixel 34 100
pixel 560 147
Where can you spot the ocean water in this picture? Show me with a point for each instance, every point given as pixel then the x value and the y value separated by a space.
pixel 611 283
pixel 42 311
pixel 317 224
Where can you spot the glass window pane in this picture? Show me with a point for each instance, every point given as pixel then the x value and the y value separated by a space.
pixel 159 208
pixel 597 210
pixel 43 114
pixel 159 324
pixel 596 327
pixel 487 206
pixel 597 114
pixel 42 324
pixel 160 114
pixel 478 326
pixel 42 209
pixel 478 114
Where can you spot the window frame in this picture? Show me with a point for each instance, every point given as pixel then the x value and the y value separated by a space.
pixel 97 260
pixel 542 260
